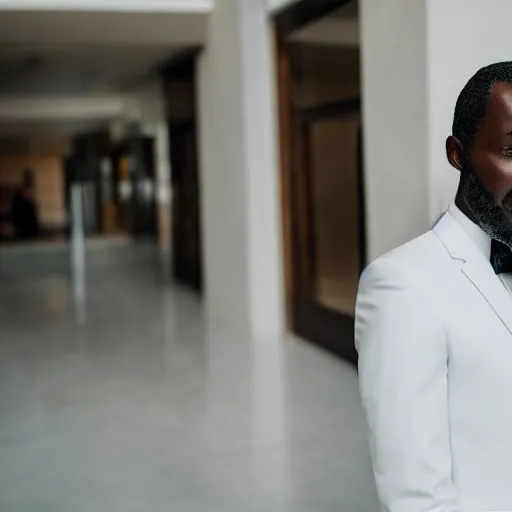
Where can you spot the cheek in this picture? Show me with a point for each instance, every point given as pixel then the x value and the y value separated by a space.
pixel 495 172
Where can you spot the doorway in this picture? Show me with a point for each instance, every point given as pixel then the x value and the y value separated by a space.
pixel 322 172
pixel 185 210
pixel 180 91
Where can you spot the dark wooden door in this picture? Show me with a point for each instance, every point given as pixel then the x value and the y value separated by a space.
pixel 186 209
pixel 327 225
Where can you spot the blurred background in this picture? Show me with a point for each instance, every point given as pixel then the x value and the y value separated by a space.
pixel 189 191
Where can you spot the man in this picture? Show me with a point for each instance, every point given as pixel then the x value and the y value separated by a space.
pixel 434 330
pixel 24 212
pixel 24 215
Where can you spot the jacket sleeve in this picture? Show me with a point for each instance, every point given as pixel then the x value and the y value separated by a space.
pixel 403 373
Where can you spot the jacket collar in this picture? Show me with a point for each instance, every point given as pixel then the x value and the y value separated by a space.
pixel 457 241
pixel 475 267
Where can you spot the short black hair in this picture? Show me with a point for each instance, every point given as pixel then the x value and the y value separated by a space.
pixel 472 103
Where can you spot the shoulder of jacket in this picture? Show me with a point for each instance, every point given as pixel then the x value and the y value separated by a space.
pixel 412 255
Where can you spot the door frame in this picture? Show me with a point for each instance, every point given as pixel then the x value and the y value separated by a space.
pixel 303 12
pixel 303 120
pixel 326 328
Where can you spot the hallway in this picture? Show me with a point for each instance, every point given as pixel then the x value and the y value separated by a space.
pixel 144 409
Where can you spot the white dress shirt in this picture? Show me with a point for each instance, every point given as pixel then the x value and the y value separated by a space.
pixel 480 238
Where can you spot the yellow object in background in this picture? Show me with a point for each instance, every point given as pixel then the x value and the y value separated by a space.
pixel 123 168
pixel 110 223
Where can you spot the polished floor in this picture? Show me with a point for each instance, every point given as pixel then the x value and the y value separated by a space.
pixel 144 408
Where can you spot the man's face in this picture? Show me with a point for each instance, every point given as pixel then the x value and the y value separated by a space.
pixel 487 182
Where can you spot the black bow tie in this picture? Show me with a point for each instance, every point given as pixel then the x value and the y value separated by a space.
pixel 501 258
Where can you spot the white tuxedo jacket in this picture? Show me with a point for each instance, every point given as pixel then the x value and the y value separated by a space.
pixel 434 336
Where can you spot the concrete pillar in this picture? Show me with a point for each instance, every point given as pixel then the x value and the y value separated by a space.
pixel 239 171
pixel 394 51
pixel 163 192
pixel 417 56
pixel 151 105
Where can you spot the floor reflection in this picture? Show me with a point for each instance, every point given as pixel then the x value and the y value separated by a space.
pixel 144 408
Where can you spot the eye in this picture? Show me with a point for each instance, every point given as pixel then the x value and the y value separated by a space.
pixel 507 151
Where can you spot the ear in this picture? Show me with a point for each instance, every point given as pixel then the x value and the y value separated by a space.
pixel 454 152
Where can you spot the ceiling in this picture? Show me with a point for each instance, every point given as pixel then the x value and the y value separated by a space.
pixel 55 53
pixel 130 29
pixel 53 71
pixel 48 128
pixel 85 54
pixel 56 70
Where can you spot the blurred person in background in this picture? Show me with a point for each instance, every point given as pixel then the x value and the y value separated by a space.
pixel 434 330
pixel 24 211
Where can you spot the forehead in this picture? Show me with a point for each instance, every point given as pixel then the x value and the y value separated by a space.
pixel 499 110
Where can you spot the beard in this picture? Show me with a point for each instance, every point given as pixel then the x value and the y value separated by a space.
pixel 488 215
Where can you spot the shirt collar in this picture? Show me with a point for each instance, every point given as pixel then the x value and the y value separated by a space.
pixel 477 235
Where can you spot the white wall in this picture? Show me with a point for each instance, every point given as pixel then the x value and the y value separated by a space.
pixel 417 57
pixel 222 168
pixel 455 52
pixel 239 173
pixel 263 177
pixel 394 49
pixel 277 5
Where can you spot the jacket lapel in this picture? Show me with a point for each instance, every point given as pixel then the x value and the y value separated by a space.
pixel 475 267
